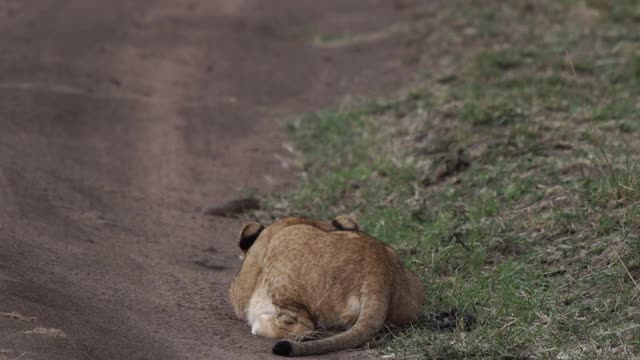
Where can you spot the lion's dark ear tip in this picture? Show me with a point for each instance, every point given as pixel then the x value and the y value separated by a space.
pixel 345 222
pixel 249 234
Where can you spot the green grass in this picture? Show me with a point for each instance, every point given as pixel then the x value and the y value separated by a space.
pixel 329 39
pixel 539 236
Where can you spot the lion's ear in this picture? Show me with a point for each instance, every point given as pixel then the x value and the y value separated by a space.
pixel 345 222
pixel 249 234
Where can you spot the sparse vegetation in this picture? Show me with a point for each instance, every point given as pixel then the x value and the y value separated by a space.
pixel 539 235
pixel 327 39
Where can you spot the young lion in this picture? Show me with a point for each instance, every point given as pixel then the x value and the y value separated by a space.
pixel 301 275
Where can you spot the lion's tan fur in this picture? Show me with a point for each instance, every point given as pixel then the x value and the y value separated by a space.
pixel 303 275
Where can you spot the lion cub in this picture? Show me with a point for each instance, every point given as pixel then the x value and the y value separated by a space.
pixel 300 275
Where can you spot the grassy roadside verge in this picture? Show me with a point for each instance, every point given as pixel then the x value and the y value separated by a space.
pixel 510 181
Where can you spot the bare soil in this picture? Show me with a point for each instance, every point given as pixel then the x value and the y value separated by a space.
pixel 119 122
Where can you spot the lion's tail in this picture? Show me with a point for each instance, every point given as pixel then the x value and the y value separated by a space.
pixel 373 314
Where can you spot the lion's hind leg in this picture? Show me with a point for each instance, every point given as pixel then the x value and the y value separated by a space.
pixel 285 323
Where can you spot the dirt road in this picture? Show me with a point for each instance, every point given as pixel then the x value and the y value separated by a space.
pixel 118 121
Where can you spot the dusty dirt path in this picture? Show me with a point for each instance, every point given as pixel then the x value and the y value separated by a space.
pixel 118 120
